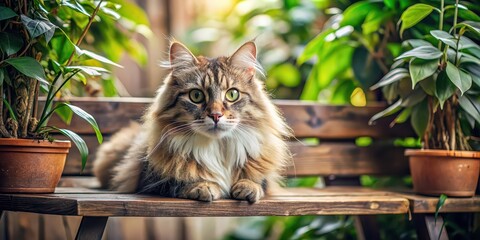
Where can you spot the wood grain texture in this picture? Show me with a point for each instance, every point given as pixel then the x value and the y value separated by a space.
pixel 426 204
pixel 347 159
pixel 307 119
pixel 322 202
pixel 310 119
pixel 327 158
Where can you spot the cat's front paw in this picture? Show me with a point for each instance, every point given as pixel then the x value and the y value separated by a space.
pixel 248 190
pixel 203 191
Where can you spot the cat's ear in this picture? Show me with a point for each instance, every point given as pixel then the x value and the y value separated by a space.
pixel 246 58
pixel 180 56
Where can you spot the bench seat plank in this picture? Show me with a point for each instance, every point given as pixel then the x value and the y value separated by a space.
pixel 427 204
pixel 79 201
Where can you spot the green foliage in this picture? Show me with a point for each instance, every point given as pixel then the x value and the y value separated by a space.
pixel 280 27
pixel 443 70
pixel 354 49
pixel 44 46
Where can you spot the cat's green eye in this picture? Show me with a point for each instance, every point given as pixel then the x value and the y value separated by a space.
pixel 232 95
pixel 196 96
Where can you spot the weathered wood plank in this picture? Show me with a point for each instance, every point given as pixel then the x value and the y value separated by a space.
pixel 307 119
pixel 347 159
pixel 111 204
pixel 426 204
pixel 310 119
pixel 38 203
pixel 276 206
pixel 327 158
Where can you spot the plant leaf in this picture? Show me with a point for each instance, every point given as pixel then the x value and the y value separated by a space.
pixel 468 105
pixel 470 25
pixel 440 203
pixel 420 118
pixel 444 88
pixel 422 52
pixel 10 43
pixel 63 46
pixel 96 57
pixel 87 117
pixel 420 70
pixel 79 142
pixel 313 47
pixel 6 13
pixel 414 43
pixel 388 111
pixel 357 12
pixel 90 70
pixel 38 27
pixel 445 38
pixel 462 80
pixel 75 6
pixel 392 76
pixel 10 110
pixel 414 14
pixel 30 67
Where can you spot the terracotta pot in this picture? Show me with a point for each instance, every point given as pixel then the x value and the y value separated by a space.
pixel 31 166
pixel 454 173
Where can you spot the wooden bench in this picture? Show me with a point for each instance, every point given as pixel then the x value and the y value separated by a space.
pixel 337 158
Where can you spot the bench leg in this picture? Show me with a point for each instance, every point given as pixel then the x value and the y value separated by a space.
pixel 367 227
pixel 427 229
pixel 91 228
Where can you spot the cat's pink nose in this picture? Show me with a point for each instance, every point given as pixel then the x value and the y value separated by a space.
pixel 216 116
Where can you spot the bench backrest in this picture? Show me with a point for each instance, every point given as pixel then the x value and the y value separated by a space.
pixel 332 129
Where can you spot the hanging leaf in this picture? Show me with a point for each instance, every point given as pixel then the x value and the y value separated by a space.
pixel 388 111
pixel 96 57
pixel 414 14
pixel 90 70
pixel 87 117
pixel 311 89
pixel 422 52
pixel 440 203
pixel 420 69
pixel 468 105
pixel 391 77
pixel 420 118
pixel 462 80
pixel 6 13
pixel 10 110
pixel 79 142
pixel 10 43
pixel 38 27
pixel 472 26
pixel 30 67
pixel 444 88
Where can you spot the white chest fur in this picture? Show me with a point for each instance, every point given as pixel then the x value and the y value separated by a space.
pixel 219 156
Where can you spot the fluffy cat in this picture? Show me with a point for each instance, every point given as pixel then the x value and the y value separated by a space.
pixel 212 132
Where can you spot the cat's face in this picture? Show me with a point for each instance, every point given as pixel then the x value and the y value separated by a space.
pixel 213 97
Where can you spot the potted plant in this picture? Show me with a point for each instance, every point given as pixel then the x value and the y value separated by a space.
pixel 37 55
pixel 436 83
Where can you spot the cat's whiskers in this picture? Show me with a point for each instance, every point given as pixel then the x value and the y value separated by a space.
pixel 169 132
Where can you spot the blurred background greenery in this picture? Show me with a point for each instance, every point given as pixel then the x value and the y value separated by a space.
pixel 329 51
